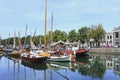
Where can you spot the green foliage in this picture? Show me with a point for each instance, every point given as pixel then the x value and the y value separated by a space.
pixel 83 34
pixel 72 36
pixel 95 32
pixel 96 69
pixel 36 40
pixel 59 35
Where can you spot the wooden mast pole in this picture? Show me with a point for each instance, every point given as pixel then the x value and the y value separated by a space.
pixel 25 34
pixel 45 16
pixel 14 46
pixel 19 41
pixel 9 41
pixel 51 29
pixel 0 39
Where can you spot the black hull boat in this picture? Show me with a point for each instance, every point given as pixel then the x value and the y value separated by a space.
pixel 33 58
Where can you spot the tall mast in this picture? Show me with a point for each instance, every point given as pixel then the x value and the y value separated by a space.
pixel 19 41
pixel 0 40
pixel 45 16
pixel 14 44
pixel 34 34
pixel 51 28
pixel 9 40
pixel 25 34
pixel 40 40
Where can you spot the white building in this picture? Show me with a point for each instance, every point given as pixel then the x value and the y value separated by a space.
pixel 109 38
pixel 116 36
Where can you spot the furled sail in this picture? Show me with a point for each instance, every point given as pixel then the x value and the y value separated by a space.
pixel 32 44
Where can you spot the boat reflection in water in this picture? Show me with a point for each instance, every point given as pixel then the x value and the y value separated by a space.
pixel 92 67
pixel 39 66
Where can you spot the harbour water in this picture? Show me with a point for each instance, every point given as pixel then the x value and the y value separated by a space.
pixel 92 67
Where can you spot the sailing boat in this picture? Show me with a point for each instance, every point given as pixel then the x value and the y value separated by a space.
pixel 8 47
pixel 17 51
pixel 33 57
pixel 79 51
pixel 59 57
pixel 2 48
pixel 42 56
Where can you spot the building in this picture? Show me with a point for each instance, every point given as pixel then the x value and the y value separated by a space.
pixel 116 36
pixel 109 38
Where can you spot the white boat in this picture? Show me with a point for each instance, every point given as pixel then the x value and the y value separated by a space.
pixel 61 58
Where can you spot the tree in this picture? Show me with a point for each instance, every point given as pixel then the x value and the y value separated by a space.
pixel 97 32
pixel 59 35
pixel 72 36
pixel 83 34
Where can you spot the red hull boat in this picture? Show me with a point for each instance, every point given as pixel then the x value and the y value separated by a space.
pixel 81 52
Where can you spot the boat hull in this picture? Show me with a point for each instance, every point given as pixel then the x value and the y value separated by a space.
pixel 60 58
pixel 34 58
pixel 81 52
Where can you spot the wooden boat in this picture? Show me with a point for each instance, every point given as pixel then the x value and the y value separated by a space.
pixel 16 52
pixel 81 52
pixel 62 58
pixel 33 58
pixel 8 50
pixel 2 48
pixel 78 51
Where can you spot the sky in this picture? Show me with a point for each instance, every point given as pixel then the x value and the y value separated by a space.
pixel 67 14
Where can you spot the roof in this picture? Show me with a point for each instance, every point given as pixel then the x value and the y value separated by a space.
pixel 59 42
pixel 118 28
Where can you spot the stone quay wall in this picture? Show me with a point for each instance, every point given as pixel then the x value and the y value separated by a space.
pixel 104 50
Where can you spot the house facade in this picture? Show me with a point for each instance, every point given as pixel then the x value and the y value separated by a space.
pixel 109 38
pixel 116 36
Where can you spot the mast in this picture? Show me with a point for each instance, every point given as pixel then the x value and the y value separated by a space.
pixel 51 29
pixel 14 44
pixel 25 34
pixel 45 16
pixel 19 41
pixel 40 40
pixel 9 41
pixel 34 35
pixel 0 40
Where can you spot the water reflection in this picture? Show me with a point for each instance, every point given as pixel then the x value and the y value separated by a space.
pixel 101 64
pixel 41 66
pixel 90 67
pixel 34 67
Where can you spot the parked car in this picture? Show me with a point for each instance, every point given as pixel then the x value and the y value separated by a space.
pixel 116 46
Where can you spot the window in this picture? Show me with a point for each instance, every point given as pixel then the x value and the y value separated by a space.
pixel 116 34
pixel 107 37
pixel 110 37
